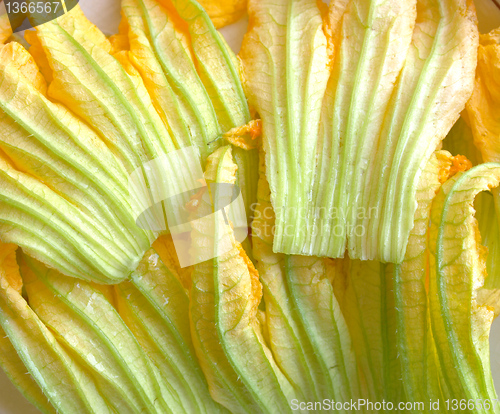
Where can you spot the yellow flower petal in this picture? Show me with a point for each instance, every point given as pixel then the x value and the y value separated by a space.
pixel 420 368
pixel 51 161
pixel 302 315
pixel 483 109
pixel 5 29
pixel 460 322
pixel 155 306
pixel 67 386
pixel 224 12
pixel 227 334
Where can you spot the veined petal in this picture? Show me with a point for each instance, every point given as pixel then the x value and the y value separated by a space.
pixel 18 374
pixel 225 12
pixel 155 306
pixel 440 64
pixel 227 335
pixel 303 318
pixel 90 328
pixel 487 218
pixel 460 322
pixel 93 83
pixel 215 65
pixel 55 231
pixel 285 71
pixel 385 109
pixel 57 160
pixel 46 141
pixel 192 76
pixel 483 107
pixel 482 113
pixel 10 361
pixel 369 52
pixel 219 71
pixel 162 54
pixel 364 290
pixel 67 385
pixel 419 362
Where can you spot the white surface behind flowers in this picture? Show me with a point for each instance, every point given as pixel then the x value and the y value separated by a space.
pixel 106 15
